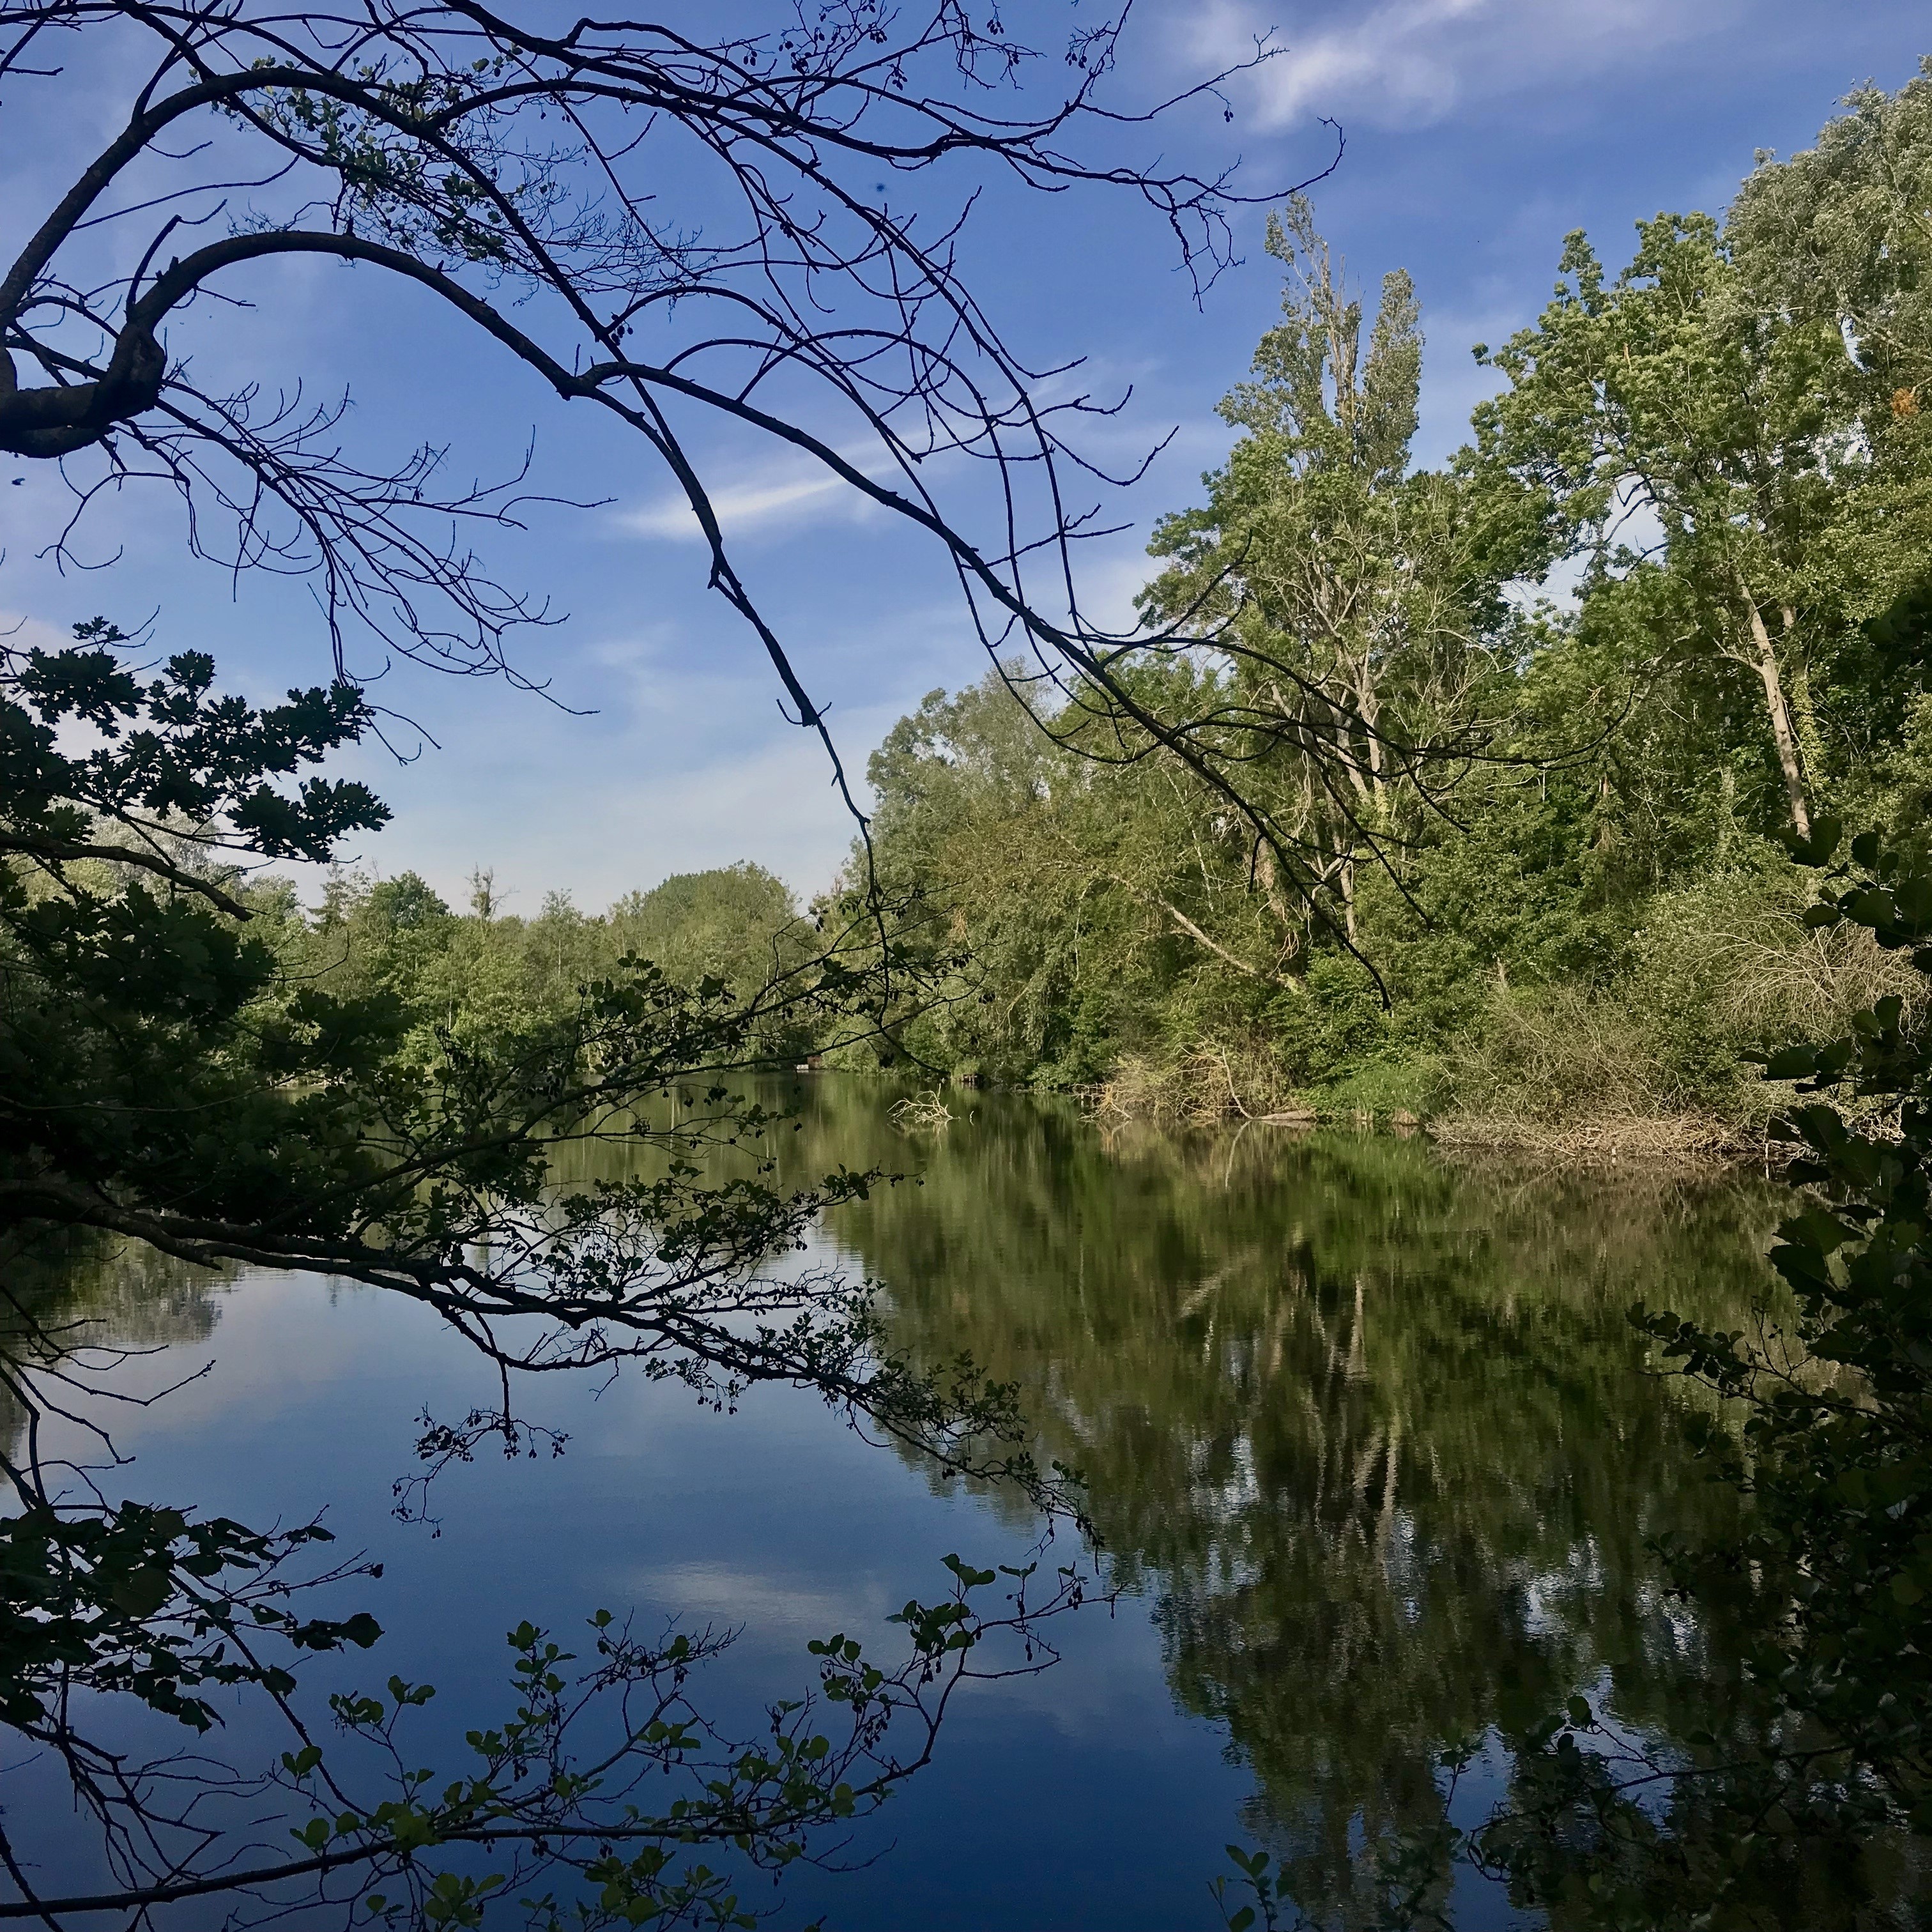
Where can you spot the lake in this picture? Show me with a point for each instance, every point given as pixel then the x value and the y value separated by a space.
pixel 1371 1452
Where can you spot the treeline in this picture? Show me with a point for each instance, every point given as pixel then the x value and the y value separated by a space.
pixel 1529 732
pixel 484 974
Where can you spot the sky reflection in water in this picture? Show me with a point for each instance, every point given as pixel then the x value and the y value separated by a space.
pixel 1369 1443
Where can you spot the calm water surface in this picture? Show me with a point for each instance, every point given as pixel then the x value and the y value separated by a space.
pixel 1368 1440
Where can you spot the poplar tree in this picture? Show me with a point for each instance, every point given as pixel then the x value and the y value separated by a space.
pixel 1342 589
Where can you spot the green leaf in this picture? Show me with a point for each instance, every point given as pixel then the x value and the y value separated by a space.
pixel 1816 849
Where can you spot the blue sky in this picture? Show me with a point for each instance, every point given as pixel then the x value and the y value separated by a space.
pixel 1478 132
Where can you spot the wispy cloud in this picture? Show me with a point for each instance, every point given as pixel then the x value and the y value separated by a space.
pixel 789 492
pixel 739 508
pixel 21 633
pixel 1416 61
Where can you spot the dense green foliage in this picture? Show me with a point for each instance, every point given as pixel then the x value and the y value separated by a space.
pixel 1544 751
pixel 470 975
pixel 1528 726
pixel 1562 734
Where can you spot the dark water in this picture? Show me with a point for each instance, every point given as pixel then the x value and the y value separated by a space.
pixel 1369 1444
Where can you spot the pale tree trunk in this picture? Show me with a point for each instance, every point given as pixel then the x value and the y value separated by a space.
pixel 1804 711
pixel 1368 708
pixel 1269 873
pixel 1779 710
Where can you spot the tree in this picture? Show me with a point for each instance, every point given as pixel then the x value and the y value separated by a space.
pixel 1547 822
pixel 1671 393
pixel 736 923
pixel 1331 623
pixel 1346 592
pixel 162 1078
pixel 1834 240
pixel 1837 234
pixel 514 175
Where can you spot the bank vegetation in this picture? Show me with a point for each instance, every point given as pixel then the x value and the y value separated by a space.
pixel 1538 726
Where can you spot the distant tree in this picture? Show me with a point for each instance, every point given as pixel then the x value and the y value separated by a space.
pixel 1000 837
pixel 735 923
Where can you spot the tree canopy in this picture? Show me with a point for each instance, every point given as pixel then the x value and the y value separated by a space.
pixel 1529 724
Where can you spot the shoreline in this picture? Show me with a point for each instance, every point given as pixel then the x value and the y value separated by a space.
pixel 1682 1140
pixel 1585 1140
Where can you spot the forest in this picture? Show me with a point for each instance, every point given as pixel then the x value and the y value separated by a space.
pixel 1531 731
pixel 1539 721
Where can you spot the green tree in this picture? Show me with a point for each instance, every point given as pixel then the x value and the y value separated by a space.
pixel 161 1078
pixel 1837 234
pixel 738 924
pixel 1671 394
pixel 1013 841
pixel 1116 909
pixel 1346 593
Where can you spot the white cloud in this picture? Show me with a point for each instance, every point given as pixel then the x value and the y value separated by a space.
pixel 787 492
pixel 1108 585
pixel 21 633
pixel 1415 61
pixel 739 507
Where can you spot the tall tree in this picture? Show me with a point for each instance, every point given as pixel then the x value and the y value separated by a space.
pixel 1837 239
pixel 1839 232
pixel 1666 414
pixel 1343 590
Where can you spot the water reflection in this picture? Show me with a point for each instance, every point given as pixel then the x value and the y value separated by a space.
pixel 1371 1428
pixel 1368 1430
pixel 84 1302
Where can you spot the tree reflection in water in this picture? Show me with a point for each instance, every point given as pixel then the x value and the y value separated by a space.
pixel 1371 1428
pixel 104 1299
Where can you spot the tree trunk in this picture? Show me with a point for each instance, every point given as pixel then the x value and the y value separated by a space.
pixel 1804 711
pixel 1269 873
pixel 1779 711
